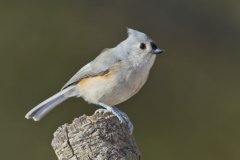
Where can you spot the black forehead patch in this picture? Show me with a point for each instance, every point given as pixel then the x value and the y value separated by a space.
pixel 153 45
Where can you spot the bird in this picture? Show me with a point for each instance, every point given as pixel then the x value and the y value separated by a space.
pixel 113 77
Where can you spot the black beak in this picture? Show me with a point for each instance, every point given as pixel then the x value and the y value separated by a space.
pixel 158 51
pixel 155 49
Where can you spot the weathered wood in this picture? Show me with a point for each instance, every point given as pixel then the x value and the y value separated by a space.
pixel 96 137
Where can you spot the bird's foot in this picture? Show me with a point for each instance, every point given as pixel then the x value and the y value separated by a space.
pixel 101 110
pixel 123 117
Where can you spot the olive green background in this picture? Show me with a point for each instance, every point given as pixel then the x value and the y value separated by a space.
pixel 189 108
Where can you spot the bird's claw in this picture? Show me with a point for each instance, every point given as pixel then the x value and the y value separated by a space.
pixel 101 110
pixel 122 117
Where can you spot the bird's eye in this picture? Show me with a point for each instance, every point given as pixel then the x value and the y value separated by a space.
pixel 153 45
pixel 143 46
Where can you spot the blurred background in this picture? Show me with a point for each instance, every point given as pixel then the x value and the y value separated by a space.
pixel 189 108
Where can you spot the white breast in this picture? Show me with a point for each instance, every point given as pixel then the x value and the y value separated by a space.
pixel 129 82
pixel 119 85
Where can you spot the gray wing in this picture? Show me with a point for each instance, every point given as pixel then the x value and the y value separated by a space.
pixel 99 66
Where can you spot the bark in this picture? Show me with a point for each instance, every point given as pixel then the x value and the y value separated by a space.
pixel 96 137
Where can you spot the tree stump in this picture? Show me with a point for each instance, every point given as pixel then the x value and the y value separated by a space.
pixel 96 137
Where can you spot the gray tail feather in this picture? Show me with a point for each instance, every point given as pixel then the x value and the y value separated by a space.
pixel 38 112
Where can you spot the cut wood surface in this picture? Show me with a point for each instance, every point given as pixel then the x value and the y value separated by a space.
pixel 96 137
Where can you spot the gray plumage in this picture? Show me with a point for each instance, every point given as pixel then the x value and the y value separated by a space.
pixel 49 104
pixel 108 58
pixel 128 66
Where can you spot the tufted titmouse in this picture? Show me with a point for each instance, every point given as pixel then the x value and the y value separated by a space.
pixel 111 78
